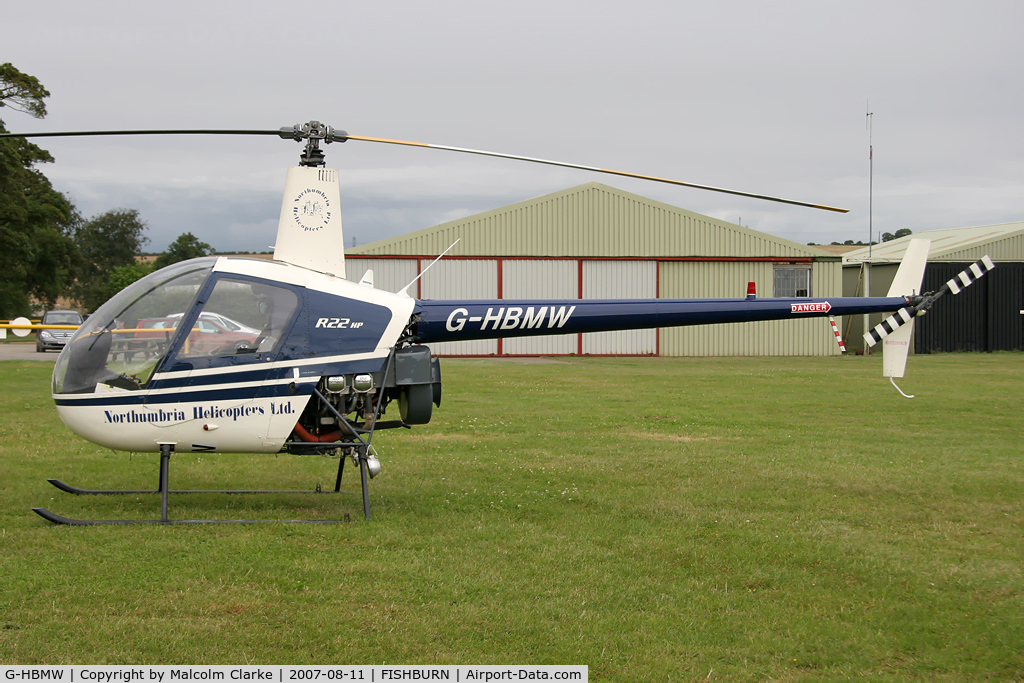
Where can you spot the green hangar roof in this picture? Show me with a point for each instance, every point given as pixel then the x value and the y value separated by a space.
pixel 591 221
pixel 1003 242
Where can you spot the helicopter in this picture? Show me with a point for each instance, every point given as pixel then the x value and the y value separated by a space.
pixel 227 354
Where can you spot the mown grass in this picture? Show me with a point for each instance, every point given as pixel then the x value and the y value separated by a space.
pixel 653 518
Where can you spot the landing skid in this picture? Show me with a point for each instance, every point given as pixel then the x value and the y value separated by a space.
pixel 164 490
pixel 68 488
pixel 58 519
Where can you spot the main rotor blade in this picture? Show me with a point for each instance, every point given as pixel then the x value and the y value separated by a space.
pixel 86 133
pixel 331 135
pixel 595 169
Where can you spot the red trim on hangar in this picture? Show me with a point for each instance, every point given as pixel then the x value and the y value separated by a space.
pixel 724 259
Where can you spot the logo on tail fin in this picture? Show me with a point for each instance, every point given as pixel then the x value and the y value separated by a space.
pixel 312 210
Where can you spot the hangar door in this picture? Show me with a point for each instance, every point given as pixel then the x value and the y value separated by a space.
pixel 620 280
pixel 540 279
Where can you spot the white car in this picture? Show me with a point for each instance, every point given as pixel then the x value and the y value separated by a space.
pixel 56 339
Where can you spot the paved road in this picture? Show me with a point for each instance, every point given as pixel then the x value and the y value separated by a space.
pixel 24 351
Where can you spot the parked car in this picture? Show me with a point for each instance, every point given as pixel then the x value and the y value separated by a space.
pixel 207 338
pixel 223 321
pixel 56 339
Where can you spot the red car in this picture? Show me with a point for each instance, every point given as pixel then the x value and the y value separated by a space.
pixel 208 337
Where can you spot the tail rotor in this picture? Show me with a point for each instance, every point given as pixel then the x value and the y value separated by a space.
pixel 921 304
pixel 894 332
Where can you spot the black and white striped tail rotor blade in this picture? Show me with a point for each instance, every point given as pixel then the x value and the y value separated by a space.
pixel 889 325
pixel 970 275
pixel 964 279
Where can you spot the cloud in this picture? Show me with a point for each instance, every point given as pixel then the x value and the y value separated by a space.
pixel 761 97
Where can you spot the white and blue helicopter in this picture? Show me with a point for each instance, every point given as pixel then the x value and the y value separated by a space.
pixel 236 355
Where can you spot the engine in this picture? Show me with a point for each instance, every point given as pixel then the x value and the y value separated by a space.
pixel 351 405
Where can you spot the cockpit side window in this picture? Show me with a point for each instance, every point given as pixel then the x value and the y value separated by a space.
pixel 119 346
pixel 240 317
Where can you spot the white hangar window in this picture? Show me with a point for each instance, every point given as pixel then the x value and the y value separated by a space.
pixel 791 281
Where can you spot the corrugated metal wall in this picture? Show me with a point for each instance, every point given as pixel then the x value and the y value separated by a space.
pixel 622 279
pixel 1005 303
pixel 597 241
pixel 462 279
pixel 591 220
pixel 388 274
pixel 804 337
pixel 983 317
pixel 1009 248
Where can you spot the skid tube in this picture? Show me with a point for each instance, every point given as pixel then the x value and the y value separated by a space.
pixel 164 490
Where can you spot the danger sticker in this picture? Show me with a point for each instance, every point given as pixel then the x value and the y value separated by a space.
pixel 818 307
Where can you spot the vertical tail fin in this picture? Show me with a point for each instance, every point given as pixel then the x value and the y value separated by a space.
pixel 309 233
pixel 906 283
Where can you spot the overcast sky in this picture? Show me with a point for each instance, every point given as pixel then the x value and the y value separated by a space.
pixel 764 97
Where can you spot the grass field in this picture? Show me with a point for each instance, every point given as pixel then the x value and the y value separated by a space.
pixel 653 518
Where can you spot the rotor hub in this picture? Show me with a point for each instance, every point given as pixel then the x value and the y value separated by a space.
pixel 313 132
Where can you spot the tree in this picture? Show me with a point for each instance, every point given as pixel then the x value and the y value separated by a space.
pixel 57 260
pixel 22 92
pixel 185 247
pixel 849 243
pixel 107 241
pixel 36 221
pixel 122 276
pixel 902 232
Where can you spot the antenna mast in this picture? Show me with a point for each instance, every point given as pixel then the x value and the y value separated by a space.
pixel 871 172
pixel 866 266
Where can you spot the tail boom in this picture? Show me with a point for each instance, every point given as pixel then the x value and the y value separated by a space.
pixel 460 320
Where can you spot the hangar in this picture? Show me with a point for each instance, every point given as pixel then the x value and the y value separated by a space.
pixel 988 316
pixel 594 241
